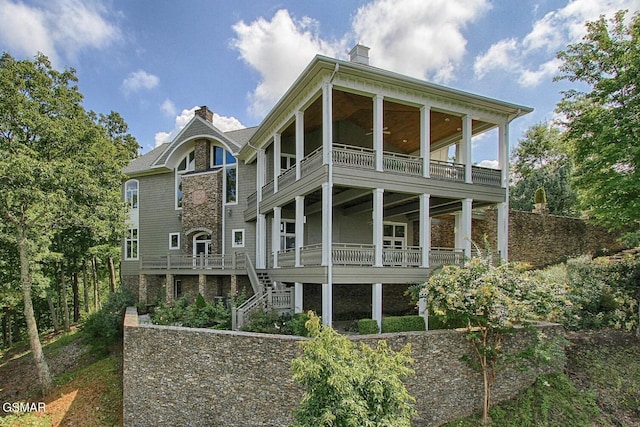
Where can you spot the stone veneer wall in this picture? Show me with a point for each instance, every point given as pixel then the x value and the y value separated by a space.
pixel 537 239
pixel 202 377
pixel 202 208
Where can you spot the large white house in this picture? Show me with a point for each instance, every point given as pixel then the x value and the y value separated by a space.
pixel 327 204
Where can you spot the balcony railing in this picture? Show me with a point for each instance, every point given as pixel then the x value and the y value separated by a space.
pixel 410 256
pixel 447 171
pixel 486 176
pixel 194 262
pixel 357 157
pixel 311 162
pixel 267 189
pixel 286 178
pixel 402 164
pixel 445 256
pixel 287 258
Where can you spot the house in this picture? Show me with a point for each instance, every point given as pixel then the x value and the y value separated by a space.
pixel 327 204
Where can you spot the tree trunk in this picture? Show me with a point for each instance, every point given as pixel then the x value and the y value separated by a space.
pixel 52 310
pixel 42 368
pixel 7 337
pixel 65 302
pixel 85 286
pixel 112 276
pixel 96 301
pixel 76 297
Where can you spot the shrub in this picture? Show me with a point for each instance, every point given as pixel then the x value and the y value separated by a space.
pixel 104 327
pixel 368 326
pixel 200 314
pixel 349 385
pixel 402 324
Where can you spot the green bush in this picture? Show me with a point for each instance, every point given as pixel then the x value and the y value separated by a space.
pixel 402 323
pixel 441 322
pixel 270 322
pixel 200 314
pixel 368 326
pixel 104 327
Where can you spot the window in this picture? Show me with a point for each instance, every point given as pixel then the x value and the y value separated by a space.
pixel 395 235
pixel 131 244
pixel 174 240
pixel 286 161
pixel 238 238
pixel 287 234
pixel 186 165
pixel 223 159
pixel 177 288
pixel 131 194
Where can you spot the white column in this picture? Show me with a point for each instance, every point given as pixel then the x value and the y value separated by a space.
pixel 378 118
pixel 376 304
pixel 275 234
pixel 425 229
pixel 327 304
pixel 299 141
pixel 277 142
pixel 260 173
pixel 261 241
pixel 425 139
pixel 299 229
pixel 378 220
pixel 465 225
pixel 466 147
pixel 503 230
pixel 503 153
pixel 327 218
pixel 298 297
pixel 327 122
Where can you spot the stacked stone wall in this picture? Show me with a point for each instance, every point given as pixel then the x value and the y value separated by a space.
pixel 537 239
pixel 201 377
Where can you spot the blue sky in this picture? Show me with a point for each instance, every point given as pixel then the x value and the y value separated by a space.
pixel 153 61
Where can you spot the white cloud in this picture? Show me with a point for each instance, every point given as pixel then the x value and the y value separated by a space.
pixel 168 108
pixel 223 123
pixel 418 38
pixel 532 58
pixel 56 28
pixel 492 164
pixel 422 39
pixel 138 80
pixel 268 45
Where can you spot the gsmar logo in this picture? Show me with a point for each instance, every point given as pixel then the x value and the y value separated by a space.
pixel 24 407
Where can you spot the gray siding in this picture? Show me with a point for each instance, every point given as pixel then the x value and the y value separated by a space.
pixel 233 214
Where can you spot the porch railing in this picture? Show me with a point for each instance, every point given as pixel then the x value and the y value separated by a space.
pixel 311 255
pixel 267 189
pixel 410 256
pixel 402 164
pixel 445 256
pixel 287 257
pixel 353 254
pixel 486 176
pixel 311 162
pixel 358 157
pixel 288 177
pixel 233 261
pixel 446 170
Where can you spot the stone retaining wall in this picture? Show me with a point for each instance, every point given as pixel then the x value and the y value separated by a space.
pixel 202 377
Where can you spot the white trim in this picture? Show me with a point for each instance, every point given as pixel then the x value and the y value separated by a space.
pixel 233 238
pixel 171 245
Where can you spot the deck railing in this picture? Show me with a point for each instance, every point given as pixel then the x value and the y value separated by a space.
pixel 287 258
pixel 446 170
pixel 311 162
pixel 311 255
pixel 410 256
pixel 232 261
pixel 286 178
pixel 445 256
pixel 402 164
pixel 357 157
pixel 353 254
pixel 486 176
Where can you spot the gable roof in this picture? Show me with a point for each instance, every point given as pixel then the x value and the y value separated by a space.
pixel 155 161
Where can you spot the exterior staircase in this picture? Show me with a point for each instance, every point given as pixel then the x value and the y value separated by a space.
pixel 265 297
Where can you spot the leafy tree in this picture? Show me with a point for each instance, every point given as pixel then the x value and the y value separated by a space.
pixel 603 121
pixel 490 301
pixel 540 161
pixel 350 386
pixel 60 171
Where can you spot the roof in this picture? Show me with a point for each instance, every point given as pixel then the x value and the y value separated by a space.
pixel 144 162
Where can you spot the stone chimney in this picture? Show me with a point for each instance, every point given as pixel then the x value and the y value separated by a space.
pixel 205 113
pixel 359 54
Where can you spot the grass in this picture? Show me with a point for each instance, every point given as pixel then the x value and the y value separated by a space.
pixel 88 389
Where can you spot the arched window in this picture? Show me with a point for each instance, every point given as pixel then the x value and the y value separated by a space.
pixel 186 165
pixel 223 159
pixel 131 194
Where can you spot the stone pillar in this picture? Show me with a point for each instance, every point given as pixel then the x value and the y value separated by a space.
pixel 202 284
pixel 234 285
pixel 142 288
pixel 168 287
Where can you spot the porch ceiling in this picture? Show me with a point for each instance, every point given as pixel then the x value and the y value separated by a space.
pixel 401 122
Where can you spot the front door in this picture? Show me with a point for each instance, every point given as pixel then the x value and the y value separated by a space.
pixel 201 248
